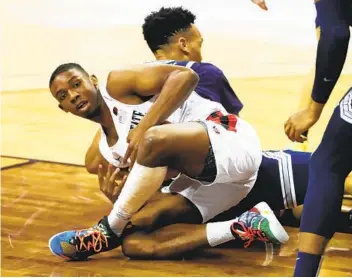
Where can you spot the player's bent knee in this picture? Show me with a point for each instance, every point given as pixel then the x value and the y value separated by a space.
pixel 152 147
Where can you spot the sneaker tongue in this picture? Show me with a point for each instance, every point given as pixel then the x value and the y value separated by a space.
pixel 102 228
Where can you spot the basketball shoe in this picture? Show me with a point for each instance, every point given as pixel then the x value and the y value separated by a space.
pixel 259 223
pixel 80 244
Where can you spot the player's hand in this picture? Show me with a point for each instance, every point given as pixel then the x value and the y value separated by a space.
pixel 112 182
pixel 133 139
pixel 261 4
pixel 298 123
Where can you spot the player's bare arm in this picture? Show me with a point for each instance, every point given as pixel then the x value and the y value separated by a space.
pixel 93 156
pixel 174 83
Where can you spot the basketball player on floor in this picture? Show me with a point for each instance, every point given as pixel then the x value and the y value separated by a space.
pixel 131 108
pixel 273 162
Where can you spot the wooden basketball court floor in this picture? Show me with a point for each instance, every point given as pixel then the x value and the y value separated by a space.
pixel 45 190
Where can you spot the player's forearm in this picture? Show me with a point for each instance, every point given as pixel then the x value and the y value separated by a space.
pixel 177 88
pixel 93 159
pixel 331 56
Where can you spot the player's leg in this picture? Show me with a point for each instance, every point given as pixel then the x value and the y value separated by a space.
pixel 180 146
pixel 282 180
pixel 171 241
pixel 208 201
pixel 148 238
pixel 348 11
pixel 187 148
pixel 161 210
pixel 153 236
pixel 329 167
pixel 297 211
pixel 164 210
pixel 167 242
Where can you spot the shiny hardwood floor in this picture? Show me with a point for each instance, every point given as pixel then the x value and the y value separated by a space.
pixel 41 199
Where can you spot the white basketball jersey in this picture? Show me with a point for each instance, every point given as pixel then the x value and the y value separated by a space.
pixel 127 117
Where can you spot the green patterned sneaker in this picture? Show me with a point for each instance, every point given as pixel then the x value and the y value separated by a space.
pixel 259 223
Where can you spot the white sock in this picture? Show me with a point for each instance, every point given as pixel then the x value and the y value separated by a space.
pixel 141 184
pixel 118 220
pixel 219 232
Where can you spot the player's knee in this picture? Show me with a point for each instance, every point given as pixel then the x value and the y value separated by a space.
pixel 342 32
pixel 339 32
pixel 319 166
pixel 319 163
pixel 139 249
pixel 152 147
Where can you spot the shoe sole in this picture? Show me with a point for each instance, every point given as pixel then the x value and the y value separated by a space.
pixel 276 228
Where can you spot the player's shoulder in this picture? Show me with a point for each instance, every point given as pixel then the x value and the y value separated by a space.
pixel 207 68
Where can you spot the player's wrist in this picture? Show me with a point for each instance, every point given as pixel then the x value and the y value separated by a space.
pixel 315 109
pixel 146 123
pixel 150 119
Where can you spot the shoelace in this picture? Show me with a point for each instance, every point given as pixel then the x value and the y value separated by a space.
pixel 96 242
pixel 249 234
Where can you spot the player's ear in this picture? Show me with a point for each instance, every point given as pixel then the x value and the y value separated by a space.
pixel 63 109
pixel 183 44
pixel 94 79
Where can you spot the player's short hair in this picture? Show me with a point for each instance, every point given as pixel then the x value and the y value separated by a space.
pixel 159 26
pixel 65 67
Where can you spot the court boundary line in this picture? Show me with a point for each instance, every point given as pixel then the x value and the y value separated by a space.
pixel 18 164
pixel 42 160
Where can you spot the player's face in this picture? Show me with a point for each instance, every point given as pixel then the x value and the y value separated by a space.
pixel 195 41
pixel 76 92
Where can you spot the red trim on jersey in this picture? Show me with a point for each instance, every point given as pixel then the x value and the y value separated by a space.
pixel 229 121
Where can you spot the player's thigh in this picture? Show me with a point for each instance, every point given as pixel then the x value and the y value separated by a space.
pixel 183 146
pixel 334 152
